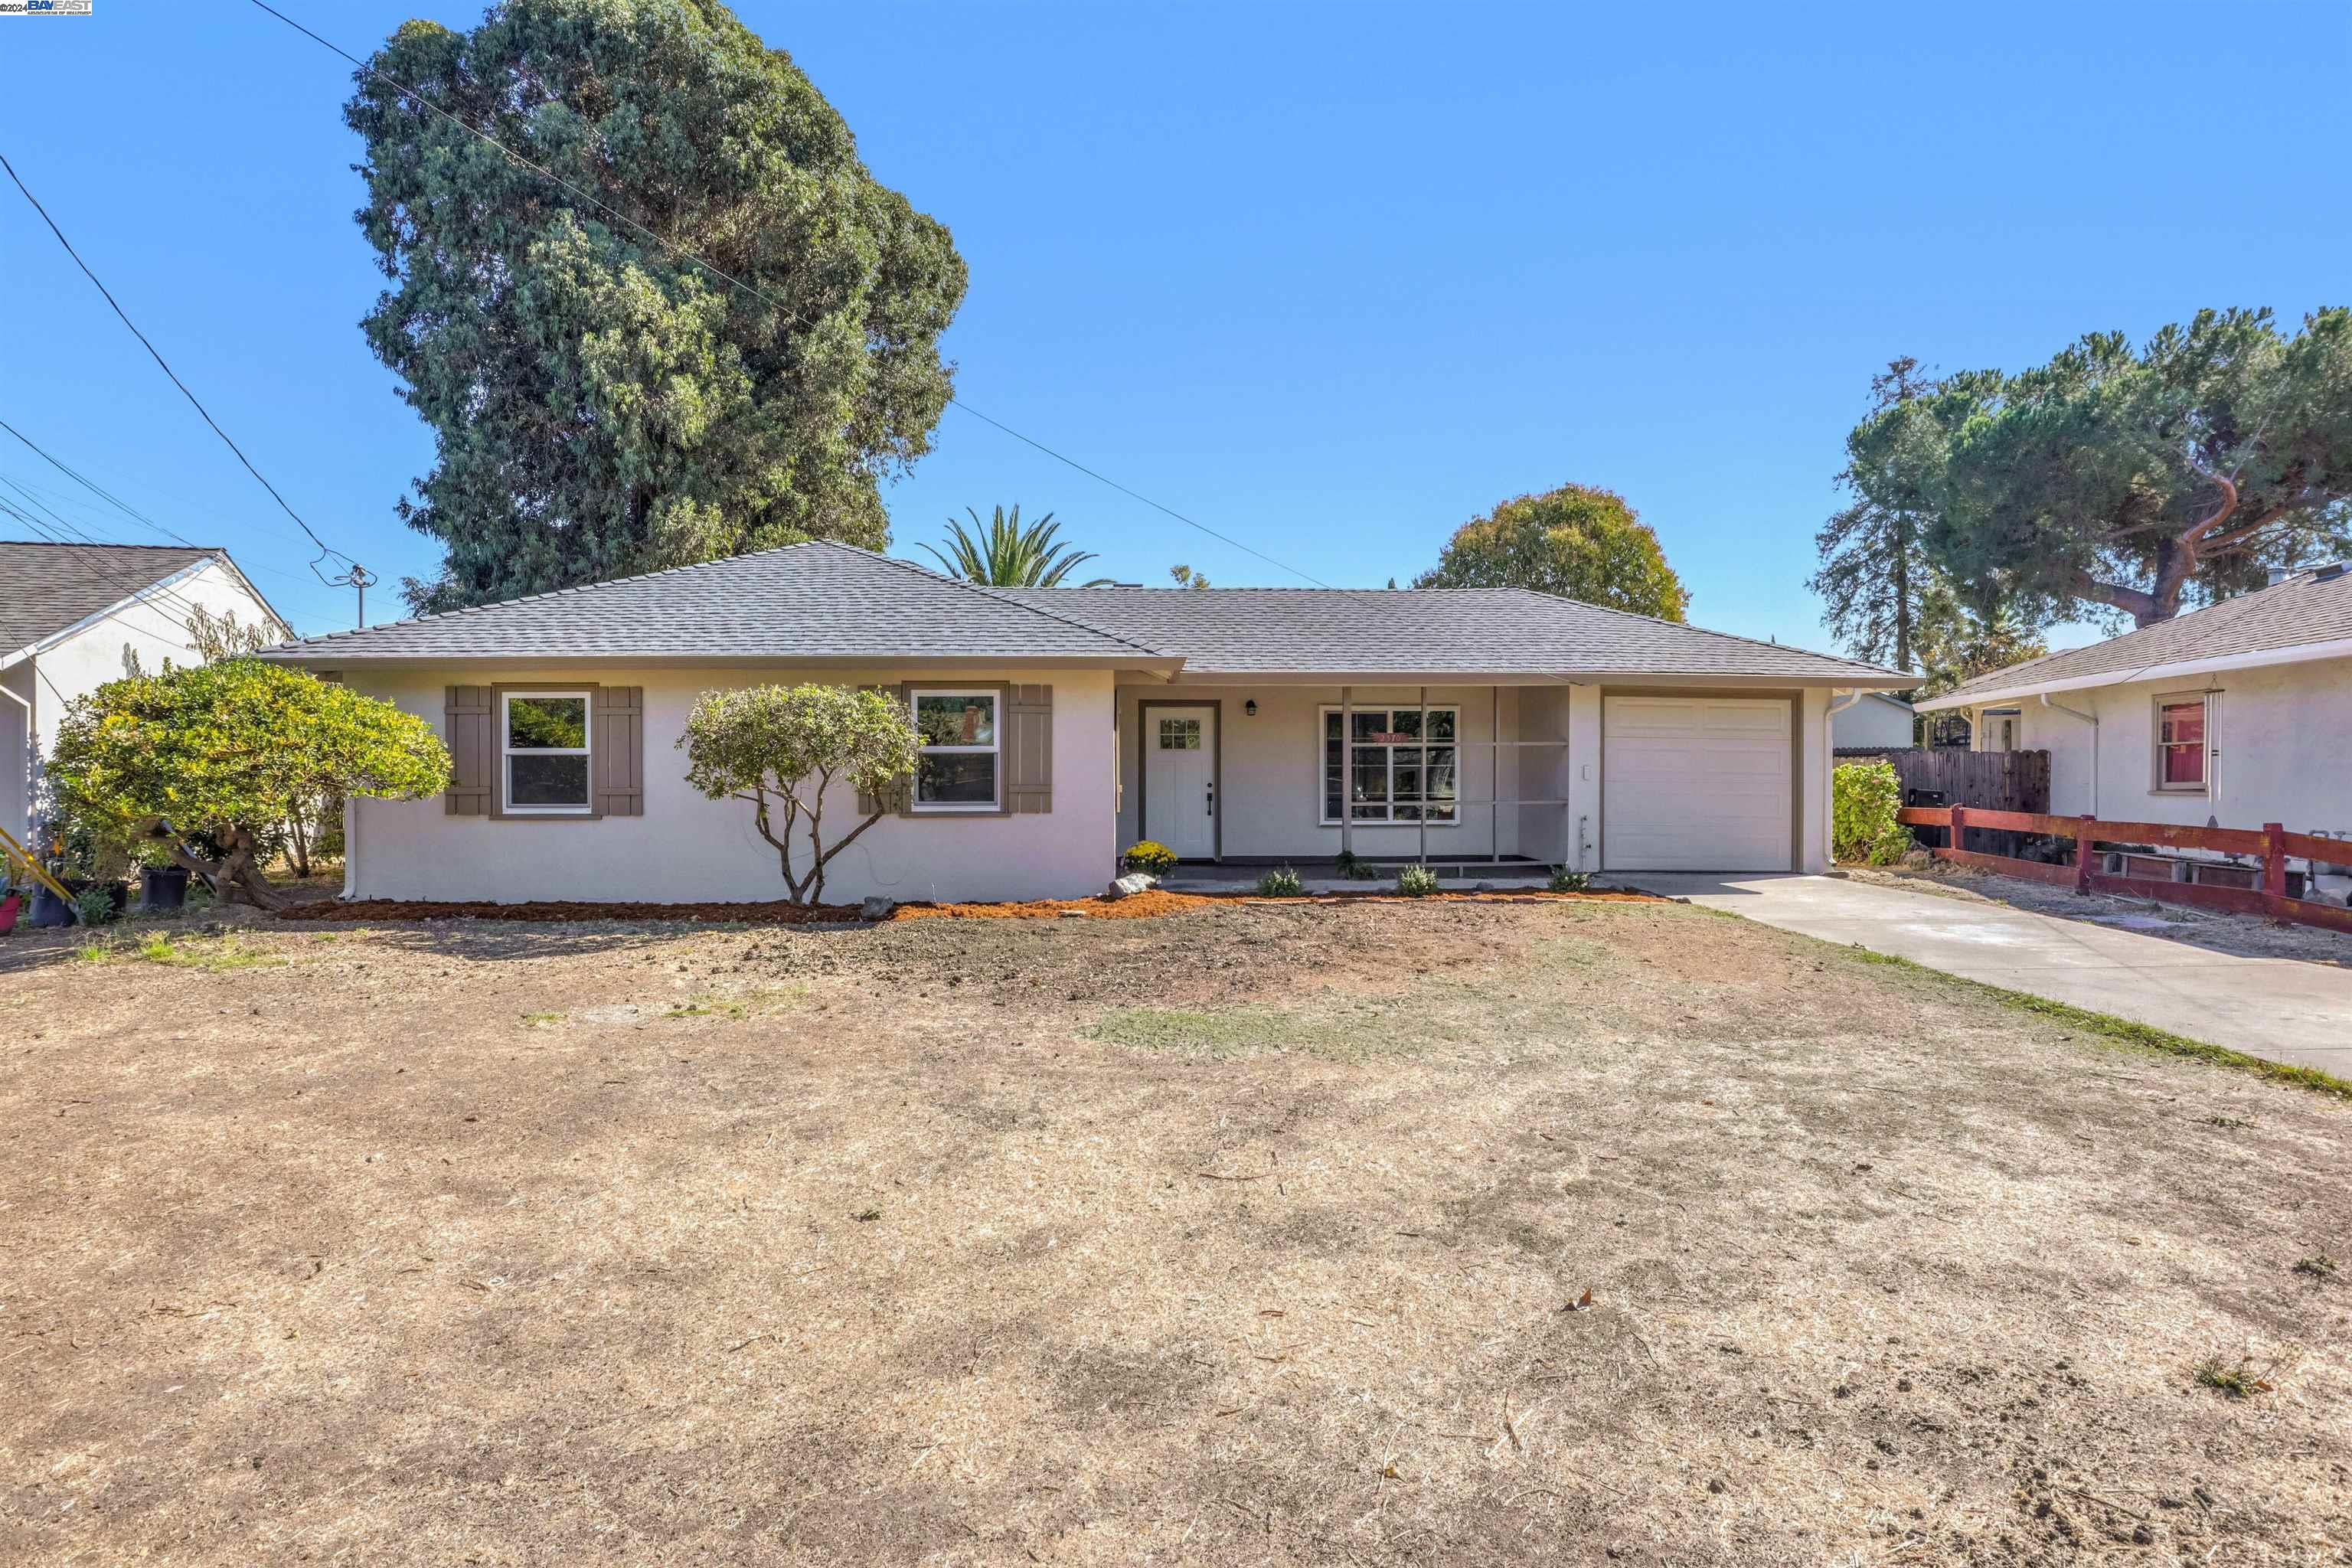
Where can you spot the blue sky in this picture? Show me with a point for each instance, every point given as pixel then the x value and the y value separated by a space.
pixel 1330 278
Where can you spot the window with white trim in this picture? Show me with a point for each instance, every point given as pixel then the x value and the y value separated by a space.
pixel 543 753
pixel 1393 768
pixel 2181 741
pixel 957 749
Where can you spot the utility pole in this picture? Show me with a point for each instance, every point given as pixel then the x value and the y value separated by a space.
pixel 361 578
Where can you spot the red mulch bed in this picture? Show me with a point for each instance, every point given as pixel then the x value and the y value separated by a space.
pixel 1141 906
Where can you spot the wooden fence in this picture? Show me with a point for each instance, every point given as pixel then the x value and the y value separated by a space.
pixel 1997 781
pixel 2272 843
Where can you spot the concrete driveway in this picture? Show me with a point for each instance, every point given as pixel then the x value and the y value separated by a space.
pixel 2283 1008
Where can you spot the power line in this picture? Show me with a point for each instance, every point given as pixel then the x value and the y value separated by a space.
pixel 325 550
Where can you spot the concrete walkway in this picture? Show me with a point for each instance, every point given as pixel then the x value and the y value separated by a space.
pixel 2283 1008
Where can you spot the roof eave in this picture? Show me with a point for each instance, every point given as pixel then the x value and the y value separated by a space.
pixel 2178 669
pixel 325 657
pixel 1196 673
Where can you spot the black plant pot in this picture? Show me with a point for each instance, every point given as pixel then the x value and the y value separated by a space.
pixel 163 887
pixel 49 909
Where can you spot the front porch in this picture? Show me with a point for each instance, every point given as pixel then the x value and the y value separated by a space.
pixel 1473 780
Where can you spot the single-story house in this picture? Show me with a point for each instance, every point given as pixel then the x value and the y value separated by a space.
pixel 1251 724
pixel 75 616
pixel 2235 715
pixel 1880 719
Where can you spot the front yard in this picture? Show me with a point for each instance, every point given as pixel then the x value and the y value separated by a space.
pixel 1253 1233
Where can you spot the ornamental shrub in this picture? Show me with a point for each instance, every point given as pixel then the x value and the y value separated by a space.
pixel 1151 859
pixel 1863 799
pixel 1416 881
pixel 205 763
pixel 1564 880
pixel 783 748
pixel 1282 882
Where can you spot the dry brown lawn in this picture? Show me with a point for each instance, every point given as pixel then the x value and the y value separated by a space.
pixel 1249 1235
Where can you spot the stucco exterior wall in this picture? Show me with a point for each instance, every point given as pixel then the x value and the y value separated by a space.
pixel 16 756
pixel 688 849
pixel 2279 749
pixel 1871 722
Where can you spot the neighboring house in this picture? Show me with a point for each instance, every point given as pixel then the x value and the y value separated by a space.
pixel 74 617
pixel 1880 719
pixel 1241 724
pixel 2238 714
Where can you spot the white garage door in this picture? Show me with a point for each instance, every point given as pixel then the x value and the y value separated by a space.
pixel 1695 784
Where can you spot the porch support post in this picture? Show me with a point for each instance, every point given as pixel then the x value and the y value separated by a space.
pixel 1494 774
pixel 1347 766
pixel 1424 731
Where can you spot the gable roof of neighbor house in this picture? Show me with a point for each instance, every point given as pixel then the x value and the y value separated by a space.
pixel 49 588
pixel 2307 616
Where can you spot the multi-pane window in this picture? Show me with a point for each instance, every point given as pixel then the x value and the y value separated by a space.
pixel 543 751
pixel 1389 764
pixel 1180 735
pixel 955 763
pixel 2181 744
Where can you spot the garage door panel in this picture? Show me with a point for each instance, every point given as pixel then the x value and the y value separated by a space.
pixel 1697 783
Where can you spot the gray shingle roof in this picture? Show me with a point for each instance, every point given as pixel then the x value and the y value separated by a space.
pixel 801 602
pixel 45 588
pixel 2311 607
pixel 1432 631
pixel 832 601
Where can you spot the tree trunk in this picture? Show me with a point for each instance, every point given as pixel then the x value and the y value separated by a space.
pixel 234 878
pixel 299 842
pixel 2176 563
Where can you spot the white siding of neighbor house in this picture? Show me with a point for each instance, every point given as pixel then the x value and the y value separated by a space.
pixel 688 849
pixel 16 760
pixel 1871 722
pixel 1270 796
pixel 2280 749
pixel 153 630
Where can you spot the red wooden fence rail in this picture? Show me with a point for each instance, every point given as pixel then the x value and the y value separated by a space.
pixel 2273 843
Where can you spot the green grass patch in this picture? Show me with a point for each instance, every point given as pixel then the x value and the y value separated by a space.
pixel 541 1020
pixel 2238 1380
pixel 105 950
pixel 1357 1034
pixel 748 1005
pixel 213 957
pixel 2146 1037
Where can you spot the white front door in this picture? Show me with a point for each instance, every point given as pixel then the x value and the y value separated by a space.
pixel 1697 783
pixel 1180 779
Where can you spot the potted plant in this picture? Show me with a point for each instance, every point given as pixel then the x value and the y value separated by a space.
pixel 9 903
pixel 162 886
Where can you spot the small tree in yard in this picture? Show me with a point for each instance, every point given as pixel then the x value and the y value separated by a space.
pixel 780 747
pixel 200 763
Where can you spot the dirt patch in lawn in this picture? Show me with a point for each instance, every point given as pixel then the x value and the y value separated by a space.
pixel 1253 1233
pixel 2247 936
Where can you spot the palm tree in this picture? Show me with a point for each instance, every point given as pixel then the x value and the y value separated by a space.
pixel 1006 555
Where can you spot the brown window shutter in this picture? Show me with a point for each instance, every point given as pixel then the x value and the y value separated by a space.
pixel 473 755
pixel 620 750
pixel 1029 751
pixel 871 804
